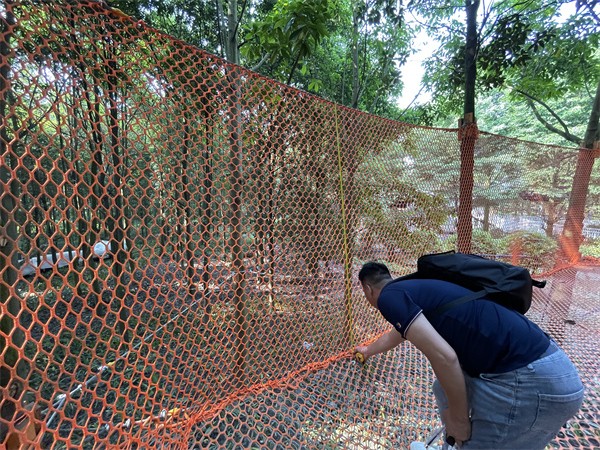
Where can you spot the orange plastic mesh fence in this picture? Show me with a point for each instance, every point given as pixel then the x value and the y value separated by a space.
pixel 180 241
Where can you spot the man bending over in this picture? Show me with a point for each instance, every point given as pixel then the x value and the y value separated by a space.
pixel 501 382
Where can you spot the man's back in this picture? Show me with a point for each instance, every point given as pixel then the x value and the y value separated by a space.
pixel 487 337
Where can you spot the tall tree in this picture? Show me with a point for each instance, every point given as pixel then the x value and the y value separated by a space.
pixel 197 23
pixel 8 225
pixel 566 63
pixel 520 45
pixel 379 45
pixel 572 235
pixel 230 19
pixel 468 132
pixel 551 171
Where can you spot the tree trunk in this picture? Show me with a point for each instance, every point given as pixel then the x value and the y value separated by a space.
pixel 232 50
pixel 265 224
pixel 468 134
pixel 235 239
pixel 91 226
pixel 348 164
pixel 235 195
pixel 486 215
pixel 8 231
pixel 470 57
pixel 572 235
pixel 185 240
pixel 355 62
pixel 207 203
pixel 116 221
pixel 551 216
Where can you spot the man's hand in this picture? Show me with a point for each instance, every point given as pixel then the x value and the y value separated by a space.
pixel 360 353
pixel 385 342
pixel 458 428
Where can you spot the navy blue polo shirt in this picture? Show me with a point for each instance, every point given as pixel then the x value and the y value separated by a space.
pixel 487 337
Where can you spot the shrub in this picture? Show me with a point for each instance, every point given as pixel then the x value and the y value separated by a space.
pixel 531 244
pixel 536 251
pixel 482 243
pixel 591 248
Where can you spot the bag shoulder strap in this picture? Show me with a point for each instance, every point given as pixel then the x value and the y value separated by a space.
pixel 454 303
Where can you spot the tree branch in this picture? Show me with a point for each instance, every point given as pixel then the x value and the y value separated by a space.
pixel 565 133
pixel 589 5
pixel 293 69
pixel 260 63
pixel 237 25
pixel 412 101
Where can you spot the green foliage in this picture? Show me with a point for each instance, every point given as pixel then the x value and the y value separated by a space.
pixel 424 115
pixel 420 242
pixel 343 51
pixel 194 22
pixel 523 47
pixel 287 34
pixel 483 243
pixel 513 42
pixel 531 244
pixel 498 174
pixel 444 77
pixel 395 211
pixel 501 112
pixel 528 245
pixel 568 62
pixel 591 248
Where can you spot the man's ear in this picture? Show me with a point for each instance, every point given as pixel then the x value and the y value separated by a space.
pixel 369 293
pixel 366 287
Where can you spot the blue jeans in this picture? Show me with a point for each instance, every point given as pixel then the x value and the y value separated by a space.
pixel 523 408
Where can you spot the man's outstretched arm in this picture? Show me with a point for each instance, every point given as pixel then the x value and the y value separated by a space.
pixel 386 341
pixel 447 369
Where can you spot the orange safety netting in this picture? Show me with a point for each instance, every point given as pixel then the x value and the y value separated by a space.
pixel 180 240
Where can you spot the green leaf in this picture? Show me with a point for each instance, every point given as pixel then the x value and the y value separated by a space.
pixel 315 85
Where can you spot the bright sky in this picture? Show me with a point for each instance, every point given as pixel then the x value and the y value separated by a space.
pixel 412 72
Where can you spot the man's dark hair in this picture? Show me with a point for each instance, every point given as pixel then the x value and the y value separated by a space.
pixel 374 273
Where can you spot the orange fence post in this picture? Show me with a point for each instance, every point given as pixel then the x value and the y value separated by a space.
pixel 572 237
